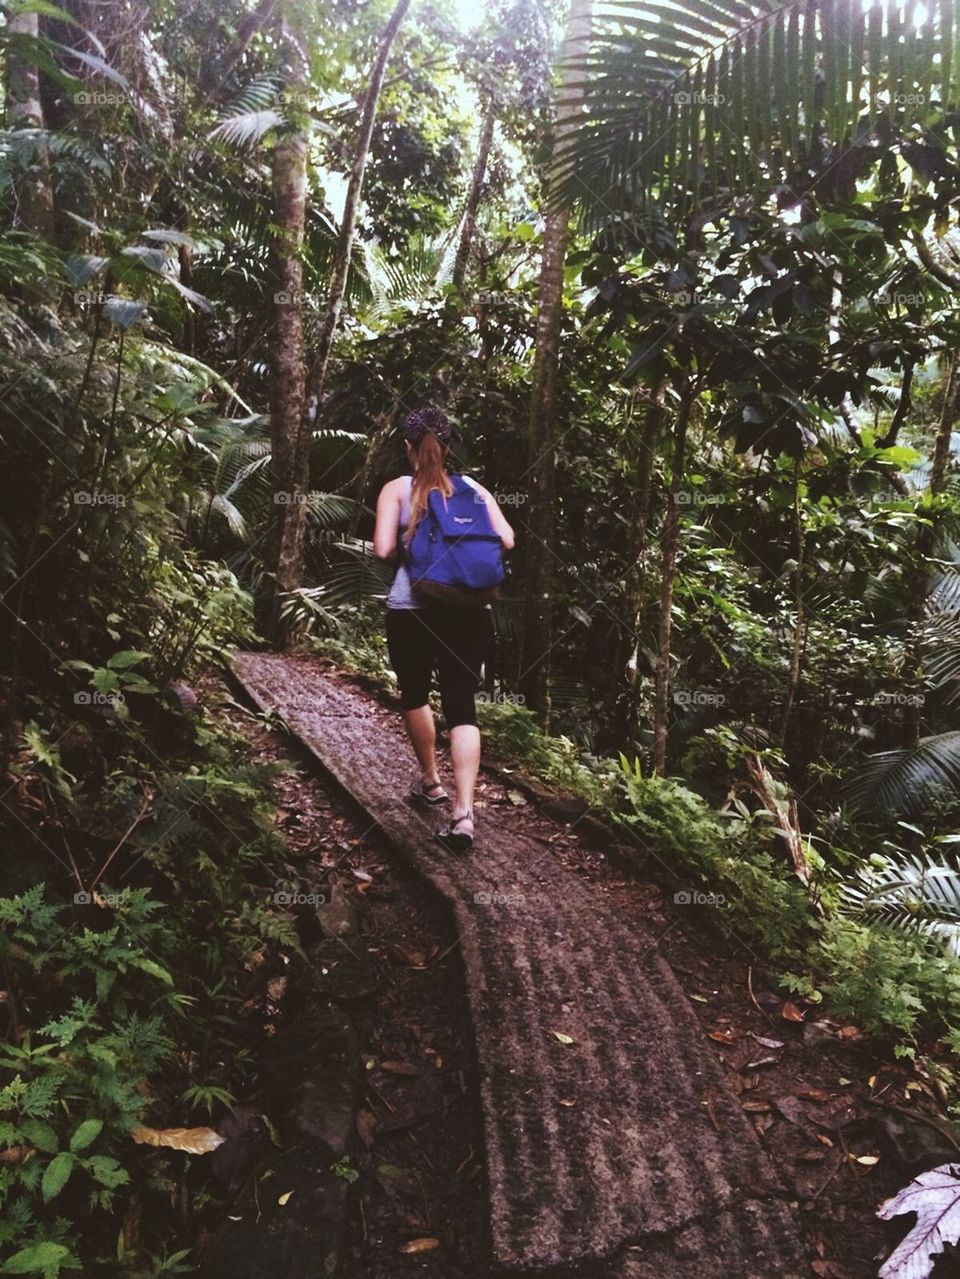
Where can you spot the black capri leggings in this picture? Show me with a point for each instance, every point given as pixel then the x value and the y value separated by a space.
pixel 453 641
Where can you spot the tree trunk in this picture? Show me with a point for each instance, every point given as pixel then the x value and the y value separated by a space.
pixel 283 553
pixel 800 625
pixel 348 223
pixel 33 192
pixel 925 547
pixel 538 586
pixel 668 573
pixel 473 199
pixel 634 590
pixel 292 388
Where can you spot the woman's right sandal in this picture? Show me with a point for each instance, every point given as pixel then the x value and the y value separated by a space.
pixel 458 841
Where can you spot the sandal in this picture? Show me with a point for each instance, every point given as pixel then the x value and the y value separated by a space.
pixel 458 841
pixel 421 793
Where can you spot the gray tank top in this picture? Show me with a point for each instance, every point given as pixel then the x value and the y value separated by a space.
pixel 401 593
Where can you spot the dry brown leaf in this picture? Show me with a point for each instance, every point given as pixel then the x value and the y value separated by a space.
pixel 427 1244
pixel 728 1036
pixel 413 958
pixel 567 1101
pixel 195 1141
pixel 756 1106
pixel 814 1094
pixel 790 1012
pixel 564 1039
pixel 399 1068
pixel 366 1126
pixel 17 1155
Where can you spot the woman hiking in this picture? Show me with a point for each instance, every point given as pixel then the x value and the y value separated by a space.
pixel 424 634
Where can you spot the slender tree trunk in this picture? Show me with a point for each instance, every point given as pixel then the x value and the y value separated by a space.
pixel 925 547
pixel 668 573
pixel 800 624
pixel 33 192
pixel 348 223
pixel 473 199
pixel 292 388
pixel 538 612
pixel 283 553
pixel 636 554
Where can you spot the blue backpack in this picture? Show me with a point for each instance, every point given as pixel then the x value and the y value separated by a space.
pixel 455 555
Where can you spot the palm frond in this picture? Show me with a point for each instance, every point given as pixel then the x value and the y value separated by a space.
pixel 913 894
pixel 722 96
pixel 906 781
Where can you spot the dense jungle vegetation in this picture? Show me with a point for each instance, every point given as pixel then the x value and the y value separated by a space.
pixel 686 280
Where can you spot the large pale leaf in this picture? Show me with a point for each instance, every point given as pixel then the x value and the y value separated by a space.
pixel 935 1197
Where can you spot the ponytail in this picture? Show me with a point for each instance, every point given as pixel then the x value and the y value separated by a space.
pixel 430 473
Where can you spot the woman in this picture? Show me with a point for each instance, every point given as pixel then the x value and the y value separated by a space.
pixel 453 639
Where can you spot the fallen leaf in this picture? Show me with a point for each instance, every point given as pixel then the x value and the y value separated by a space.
pixel 814 1094
pixel 868 1160
pixel 275 988
pixel 361 874
pixel 811 1156
pixel 823 1139
pixel 567 1101
pixel 285 1198
pixel 727 1036
pixel 849 1032
pixel 701 999
pixel 427 1244
pixel 935 1197
pixel 399 1068
pixel 769 1043
pixel 564 1039
pixel 366 1126
pixel 516 797
pixel 790 1012
pixel 756 1106
pixel 413 958
pixel 195 1141
pixel 17 1155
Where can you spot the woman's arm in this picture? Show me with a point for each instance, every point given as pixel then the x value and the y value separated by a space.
pixel 388 521
pixel 496 518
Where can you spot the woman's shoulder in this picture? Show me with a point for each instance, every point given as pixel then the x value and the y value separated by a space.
pixel 397 485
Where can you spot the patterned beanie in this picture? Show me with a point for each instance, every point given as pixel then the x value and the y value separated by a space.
pixel 424 419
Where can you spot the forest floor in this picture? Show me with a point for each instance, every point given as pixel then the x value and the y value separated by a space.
pixel 813 1090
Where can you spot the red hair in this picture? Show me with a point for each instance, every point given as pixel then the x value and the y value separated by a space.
pixel 430 472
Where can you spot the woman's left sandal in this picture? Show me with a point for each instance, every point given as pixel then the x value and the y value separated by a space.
pixel 458 841
pixel 429 793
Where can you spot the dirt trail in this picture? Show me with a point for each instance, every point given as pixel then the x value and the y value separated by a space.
pixel 611 1132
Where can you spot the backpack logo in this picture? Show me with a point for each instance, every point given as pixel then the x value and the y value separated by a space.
pixel 462 519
